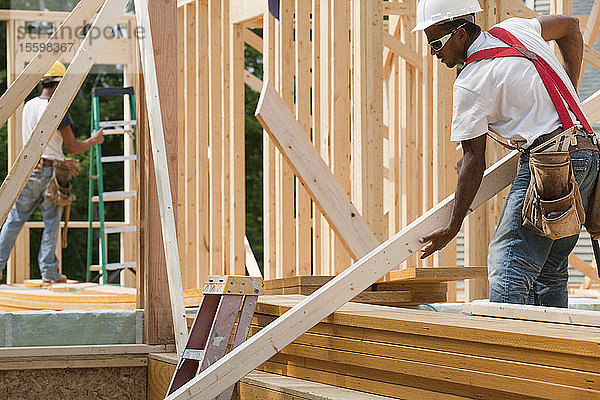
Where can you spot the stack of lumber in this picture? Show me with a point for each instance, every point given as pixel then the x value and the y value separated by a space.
pixel 409 286
pixel 404 353
pixel 256 385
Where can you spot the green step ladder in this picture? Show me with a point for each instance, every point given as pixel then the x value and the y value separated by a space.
pixel 123 128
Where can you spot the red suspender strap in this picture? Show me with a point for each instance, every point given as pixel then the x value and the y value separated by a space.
pixel 555 86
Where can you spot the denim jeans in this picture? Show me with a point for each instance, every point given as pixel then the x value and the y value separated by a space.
pixel 523 266
pixel 25 205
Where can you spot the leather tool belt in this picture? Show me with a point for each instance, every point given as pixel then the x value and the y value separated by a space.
pixel 59 188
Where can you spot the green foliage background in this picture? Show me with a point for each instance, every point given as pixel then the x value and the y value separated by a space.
pixel 74 257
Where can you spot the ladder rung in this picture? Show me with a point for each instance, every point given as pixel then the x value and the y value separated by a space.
pixel 117 131
pixel 115 196
pixel 113 124
pixel 120 229
pixel 112 91
pixel 109 159
pixel 113 266
pixel 193 354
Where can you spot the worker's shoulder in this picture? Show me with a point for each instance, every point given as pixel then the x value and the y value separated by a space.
pixel 36 102
pixel 518 26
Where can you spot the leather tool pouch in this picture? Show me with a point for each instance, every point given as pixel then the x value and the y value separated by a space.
pixel 59 188
pixel 552 205
pixel 592 218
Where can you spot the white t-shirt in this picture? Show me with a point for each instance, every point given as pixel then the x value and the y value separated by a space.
pixel 506 95
pixel 32 112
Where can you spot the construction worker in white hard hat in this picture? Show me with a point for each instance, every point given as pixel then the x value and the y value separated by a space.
pixel 49 181
pixel 513 85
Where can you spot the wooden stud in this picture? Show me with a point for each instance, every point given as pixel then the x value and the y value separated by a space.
pixel 303 257
pixel 237 150
pixel 286 256
pixel 226 141
pixel 162 145
pixel 340 118
pixel 367 126
pixel 214 118
pixel 317 260
pixel 269 200
pixel 202 144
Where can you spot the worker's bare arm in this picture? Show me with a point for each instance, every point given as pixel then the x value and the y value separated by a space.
pixel 75 146
pixel 565 30
pixel 469 179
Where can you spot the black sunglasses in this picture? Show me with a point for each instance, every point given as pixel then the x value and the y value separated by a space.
pixel 438 44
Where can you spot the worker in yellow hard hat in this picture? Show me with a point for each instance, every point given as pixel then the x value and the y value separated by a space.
pixel 54 74
pixel 49 182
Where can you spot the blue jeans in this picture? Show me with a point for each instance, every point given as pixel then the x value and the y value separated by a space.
pixel 523 266
pixel 26 203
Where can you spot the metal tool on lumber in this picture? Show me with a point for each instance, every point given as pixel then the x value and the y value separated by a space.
pixel 225 300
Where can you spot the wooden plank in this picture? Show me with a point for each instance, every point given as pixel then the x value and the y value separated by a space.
pixel 286 235
pixel 517 9
pixel 335 293
pixel 583 267
pixel 340 144
pixel 202 143
pixel 303 257
pixel 41 62
pixel 253 81
pixel 226 188
pixel 440 274
pixel 591 107
pixel 237 150
pixel 367 193
pixel 253 40
pixel 161 165
pixel 591 56
pixel 269 200
pixel 187 229
pixel 325 190
pixel 316 128
pixel 593 26
pixel 50 119
pixel 533 313
pixel 316 281
pixel 323 134
pixel 217 257
pixel 402 50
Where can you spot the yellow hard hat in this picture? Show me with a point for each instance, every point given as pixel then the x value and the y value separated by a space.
pixel 57 70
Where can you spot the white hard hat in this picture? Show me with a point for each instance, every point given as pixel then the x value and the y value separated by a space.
pixel 430 12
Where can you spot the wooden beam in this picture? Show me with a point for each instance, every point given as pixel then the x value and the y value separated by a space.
pixel 315 175
pixel 163 181
pixel 517 9
pixel 583 267
pixel 591 56
pixel 252 39
pixel 593 26
pixel 253 81
pixel 41 62
pixel 367 112
pixel 251 263
pixel 260 347
pixel 57 106
pixel 403 51
pixel 533 313
pixel 591 107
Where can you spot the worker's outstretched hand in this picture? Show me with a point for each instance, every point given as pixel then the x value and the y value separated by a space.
pixel 73 167
pixel 437 240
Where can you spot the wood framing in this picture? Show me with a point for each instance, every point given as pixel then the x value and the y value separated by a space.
pixel 326 191
pixel 338 291
pixel 163 185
